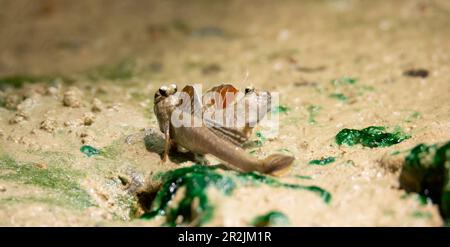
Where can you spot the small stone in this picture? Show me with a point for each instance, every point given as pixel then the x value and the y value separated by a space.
pixel 72 99
pixel 52 91
pixel 304 145
pixel 1 133
pixel 423 73
pixel 73 123
pixel 88 118
pixel 2 188
pixel 11 101
pixel 41 165
pixel 27 104
pixel 48 125
pixel 97 105
pixel 33 91
pixel 19 117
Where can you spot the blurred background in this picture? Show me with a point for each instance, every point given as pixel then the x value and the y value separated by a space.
pixel 149 37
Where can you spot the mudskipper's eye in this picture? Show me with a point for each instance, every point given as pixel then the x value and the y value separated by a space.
pixel 174 87
pixel 249 89
pixel 163 91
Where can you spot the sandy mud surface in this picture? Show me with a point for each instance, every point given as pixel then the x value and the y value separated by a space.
pixel 77 73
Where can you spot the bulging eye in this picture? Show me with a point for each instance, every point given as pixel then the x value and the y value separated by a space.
pixel 163 91
pixel 249 89
pixel 174 87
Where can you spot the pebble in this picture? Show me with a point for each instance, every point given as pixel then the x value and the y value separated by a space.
pixel 53 91
pixel 88 118
pixel 423 73
pixel 86 136
pixel 27 104
pixel 11 101
pixel 72 99
pixel 73 123
pixel 97 105
pixel 2 188
pixel 41 165
pixel 48 125
pixel 19 117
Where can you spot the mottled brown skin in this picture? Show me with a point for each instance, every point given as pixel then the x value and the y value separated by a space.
pixel 201 140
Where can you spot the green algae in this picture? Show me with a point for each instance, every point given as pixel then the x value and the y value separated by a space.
pixel 123 70
pixel 260 140
pixel 284 150
pixel 323 161
pixel 196 179
pixel 373 136
pixel 426 171
pixel 313 110
pixel 58 180
pixel 272 218
pixel 281 109
pixel 89 150
pixel 260 136
pixel 339 96
pixel 413 116
pixel 303 177
pixel 19 80
pixel 344 81
pixel 194 207
pixel 256 178
pixel 423 200
pixel 421 214
pixel 110 151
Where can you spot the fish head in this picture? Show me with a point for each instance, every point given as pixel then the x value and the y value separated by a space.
pixel 165 92
pixel 166 100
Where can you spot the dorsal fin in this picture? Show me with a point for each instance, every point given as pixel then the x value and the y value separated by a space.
pixel 216 103
pixel 232 135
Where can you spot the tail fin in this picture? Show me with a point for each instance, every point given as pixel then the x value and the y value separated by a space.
pixel 276 164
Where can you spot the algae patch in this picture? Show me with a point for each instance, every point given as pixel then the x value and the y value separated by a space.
pixel 344 81
pixel 272 218
pixel 323 161
pixel 111 151
pixel 373 136
pixel 426 171
pixel 196 180
pixel 19 80
pixel 280 109
pixel 313 110
pixel 255 178
pixel 339 96
pixel 260 140
pixel 89 150
pixel 194 207
pixel 58 180
pixel 123 70
pixel 413 116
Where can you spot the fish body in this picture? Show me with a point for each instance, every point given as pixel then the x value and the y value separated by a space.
pixel 222 143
